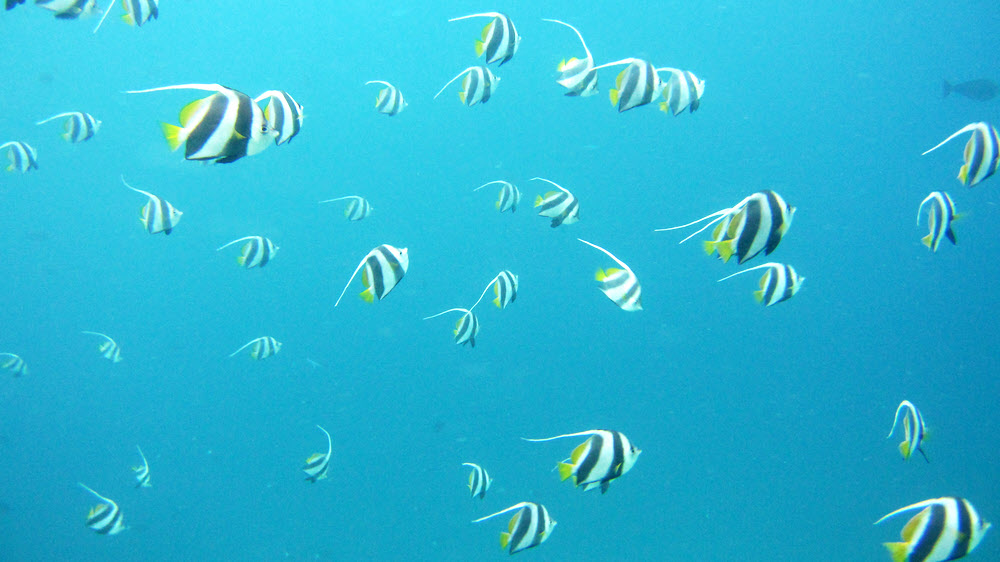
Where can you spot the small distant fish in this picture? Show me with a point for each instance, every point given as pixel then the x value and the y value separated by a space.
pixel 509 197
pixel 466 328
pixel 109 349
pixel 529 527
pixel 390 100
pixel 384 269
pixel 504 287
pixel 357 209
pixel 499 40
pixel 561 206
pixel 68 9
pixel 142 472
pixel 638 84
pixel 21 155
pixel 137 12
pixel 619 285
pixel 105 518
pixel 263 347
pixel 157 215
pixel 779 283
pixel 603 457
pixel 683 90
pixel 479 480
pixel 939 217
pixel 914 430
pixel 14 364
pixel 79 127
pixel 257 252
pixel 317 464
pixel 577 75
pixel 945 529
pixel 981 89
pixel 982 153
pixel 477 87
pixel 283 114
pixel 221 128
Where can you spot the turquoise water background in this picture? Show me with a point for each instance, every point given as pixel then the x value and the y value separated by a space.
pixel 762 429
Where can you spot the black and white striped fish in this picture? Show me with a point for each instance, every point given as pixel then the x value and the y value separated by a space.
pixel 504 287
pixel 479 480
pixel 561 206
pixel 477 87
pixel 683 90
pixel 14 364
pixel 105 518
pixel 221 128
pixel 466 328
pixel 68 9
pixel 914 430
pixel 619 285
pixel 283 114
pixel 603 457
pixel 79 127
pixel 21 155
pixel 982 153
pixel 142 472
pixel 108 349
pixel 577 75
pixel 257 252
pixel 137 12
pixel 499 39
pixel 638 84
pixel 779 283
pixel 385 267
pixel 357 208
pixel 263 347
pixel 939 217
pixel 317 464
pixel 390 100
pixel 945 529
pixel 529 527
pixel 157 215
pixel 509 196
pixel 758 227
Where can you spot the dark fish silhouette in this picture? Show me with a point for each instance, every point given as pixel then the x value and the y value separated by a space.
pixel 981 89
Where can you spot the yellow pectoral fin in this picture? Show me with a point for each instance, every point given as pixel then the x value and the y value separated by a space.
pixel 565 470
pixel 897 550
pixel 480 48
pixel 189 110
pixel 963 173
pixel 709 247
pixel 504 540
pixel 172 134
pixel 613 94
pixel 904 449
pixel 600 275
pixel 368 295
pixel 538 200
pixel 725 249
pixel 127 18
pixel 926 240
pixel 759 296
pixel 461 96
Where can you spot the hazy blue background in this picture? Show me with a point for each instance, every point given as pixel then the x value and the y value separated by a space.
pixel 763 430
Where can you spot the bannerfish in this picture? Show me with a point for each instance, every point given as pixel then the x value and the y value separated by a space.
pixel 21 155
pixel 914 430
pixel 283 114
pixel 142 472
pixel 357 208
pixel 509 195
pixel 940 215
pixel 619 285
pixel 318 464
pixel 13 364
pixel 605 456
pixel 504 287
pixel 779 283
pixel 109 349
pixel 683 90
pixel 479 480
pixel 499 39
pixel 982 153
pixel 477 87
pixel 389 100
pixel 529 527
pixel 79 127
pixel 157 215
pixel 561 206
pixel 263 347
pixel 105 518
pixel 137 12
pixel 638 84
pixel 466 328
pixel 578 76
pixel 384 267
pixel 257 252
pixel 945 529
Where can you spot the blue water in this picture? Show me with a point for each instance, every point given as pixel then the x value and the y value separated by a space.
pixel 762 430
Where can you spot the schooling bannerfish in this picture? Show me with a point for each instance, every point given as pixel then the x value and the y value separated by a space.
pixel 79 127
pixel 142 472
pixel 384 267
pixel 499 39
pixel 981 89
pixel 109 349
pixel 638 84
pixel 68 9
pixel 939 217
pixel 982 153
pixel 257 252
pixel 945 529
pixel 157 215
pixel 466 328
pixel 509 196
pixel 477 87
pixel 578 76
pixel 683 90
pixel 263 347
pixel 389 100
pixel 137 12
pixel 779 283
pixel 14 364
pixel 105 518
pixel 317 464
pixel 283 115
pixel 504 287
pixel 561 206
pixel 357 209
pixel 914 430
pixel 479 480
pixel 619 285
pixel 221 128
pixel 603 457
pixel 529 527
pixel 21 155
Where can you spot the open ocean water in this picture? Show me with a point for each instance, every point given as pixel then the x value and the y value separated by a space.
pixel 762 429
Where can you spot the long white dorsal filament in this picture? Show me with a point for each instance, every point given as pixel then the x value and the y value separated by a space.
pixel 761 266
pixel 353 275
pixel 610 255
pixel 965 129
pixel 106 12
pixel 341 198
pixel 578 434
pixel 248 344
pixel 235 241
pixel 452 80
pixel 511 508
pixel 575 30
pixel 105 336
pixel 488 285
pixel 483 15
pixel 447 311
pixel 67 114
